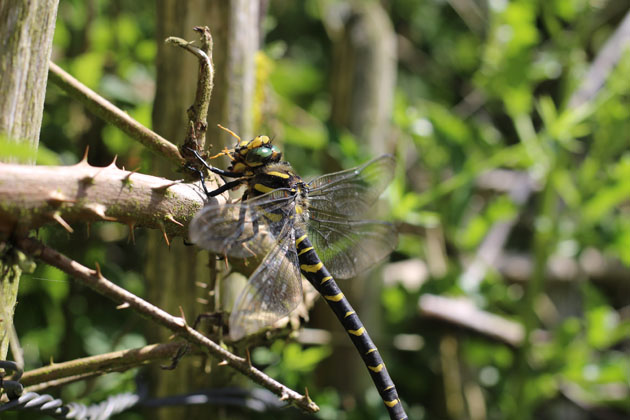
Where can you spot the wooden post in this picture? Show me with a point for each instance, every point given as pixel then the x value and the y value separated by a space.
pixel 26 34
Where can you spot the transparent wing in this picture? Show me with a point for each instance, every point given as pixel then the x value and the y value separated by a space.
pixel 243 229
pixel 272 292
pixel 351 192
pixel 348 247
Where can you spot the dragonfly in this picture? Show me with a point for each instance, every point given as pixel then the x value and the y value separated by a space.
pixel 315 229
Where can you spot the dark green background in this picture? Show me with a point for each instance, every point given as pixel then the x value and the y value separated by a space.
pixel 523 63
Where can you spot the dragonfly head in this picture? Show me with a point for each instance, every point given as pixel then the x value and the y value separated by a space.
pixel 256 152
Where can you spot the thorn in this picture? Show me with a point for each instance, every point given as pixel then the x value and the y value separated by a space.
pixel 113 162
pixel 124 305
pixel 167 185
pixel 182 314
pixel 161 225
pixel 132 236
pixel 84 160
pixel 56 198
pixel 284 396
pixel 99 210
pixel 226 261
pixel 98 270
pixel 222 363
pixel 172 219
pixel 57 217
pixel 308 398
pixel 202 301
pixel 248 358
pixel 201 284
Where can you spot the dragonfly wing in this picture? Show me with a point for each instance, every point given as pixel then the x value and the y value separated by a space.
pixel 348 247
pixel 242 229
pixel 272 292
pixel 351 192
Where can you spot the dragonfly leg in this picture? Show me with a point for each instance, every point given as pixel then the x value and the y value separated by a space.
pixel 201 177
pixel 233 239
pixel 212 168
pixel 225 187
pixel 185 347
pixel 181 352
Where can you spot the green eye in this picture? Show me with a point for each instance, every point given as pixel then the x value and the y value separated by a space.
pixel 259 154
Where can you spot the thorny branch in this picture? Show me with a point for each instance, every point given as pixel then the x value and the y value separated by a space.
pixel 38 379
pixel 95 280
pixel 84 193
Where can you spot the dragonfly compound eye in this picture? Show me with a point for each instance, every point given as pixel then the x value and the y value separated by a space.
pixel 259 154
pixel 263 154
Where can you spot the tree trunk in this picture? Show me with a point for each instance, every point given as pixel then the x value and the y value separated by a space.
pixel 26 34
pixel 173 271
pixel 363 73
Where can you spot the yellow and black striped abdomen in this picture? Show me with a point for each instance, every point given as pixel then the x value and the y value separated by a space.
pixel 317 274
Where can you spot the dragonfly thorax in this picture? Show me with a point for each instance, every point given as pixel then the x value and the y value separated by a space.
pixel 273 176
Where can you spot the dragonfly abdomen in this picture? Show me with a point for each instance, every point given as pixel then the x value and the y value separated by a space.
pixel 316 273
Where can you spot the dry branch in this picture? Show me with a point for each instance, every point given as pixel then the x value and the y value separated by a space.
pixel 95 280
pixel 464 314
pixel 103 363
pixel 198 111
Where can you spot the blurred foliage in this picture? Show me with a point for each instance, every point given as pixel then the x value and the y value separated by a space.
pixel 478 89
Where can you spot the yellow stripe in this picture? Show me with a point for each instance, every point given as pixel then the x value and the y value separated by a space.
pixel 299 209
pixel 273 216
pixel 348 313
pixel 279 174
pixel 262 188
pixel 388 388
pixel 370 351
pixel 325 279
pixel 358 332
pixel 335 298
pixel 305 250
pixel 377 368
pixel 312 268
pixel 391 403
pixel 300 239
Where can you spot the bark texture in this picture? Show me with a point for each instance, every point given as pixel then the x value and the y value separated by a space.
pixel 26 33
